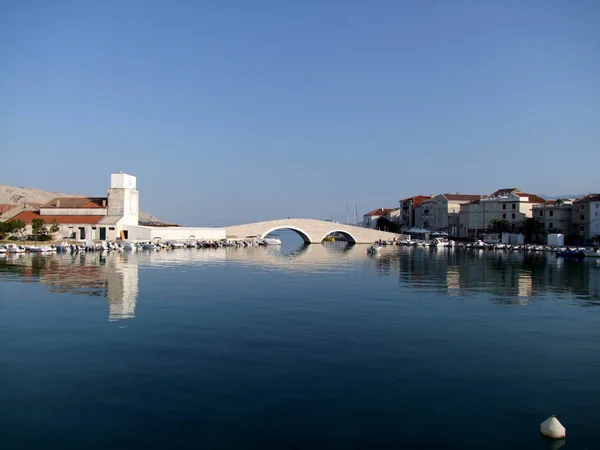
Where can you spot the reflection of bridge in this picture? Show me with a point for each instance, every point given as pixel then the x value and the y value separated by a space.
pixel 312 231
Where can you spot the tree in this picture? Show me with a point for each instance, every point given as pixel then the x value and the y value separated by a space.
pixel 498 226
pixel 38 227
pixel 596 239
pixel 5 228
pixel 531 228
pixel 18 227
pixel 54 227
pixel 384 224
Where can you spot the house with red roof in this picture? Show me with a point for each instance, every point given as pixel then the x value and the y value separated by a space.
pixel 8 211
pixel 510 204
pixel 81 218
pixel 408 208
pixel 441 212
pixel 370 219
pixel 109 218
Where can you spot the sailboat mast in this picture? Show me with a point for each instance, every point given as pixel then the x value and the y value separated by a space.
pixel 347 216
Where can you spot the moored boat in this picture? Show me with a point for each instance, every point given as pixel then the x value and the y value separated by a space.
pixel 571 254
pixel 13 248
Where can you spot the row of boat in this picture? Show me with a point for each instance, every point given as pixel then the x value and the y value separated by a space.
pixel 579 252
pixel 172 245
pixel 91 246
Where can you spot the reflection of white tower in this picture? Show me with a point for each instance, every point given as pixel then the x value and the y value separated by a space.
pixel 122 289
pixel 525 285
pixel 123 198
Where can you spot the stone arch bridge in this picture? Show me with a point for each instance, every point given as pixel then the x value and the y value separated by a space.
pixel 312 231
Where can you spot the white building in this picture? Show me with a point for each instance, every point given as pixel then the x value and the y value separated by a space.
pixel 393 215
pixel 555 215
pixel 511 205
pixel 442 211
pixel 370 219
pixel 586 217
pixel 109 218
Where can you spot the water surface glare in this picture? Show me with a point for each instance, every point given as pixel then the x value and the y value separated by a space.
pixel 310 347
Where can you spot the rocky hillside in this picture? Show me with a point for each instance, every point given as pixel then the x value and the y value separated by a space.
pixel 12 195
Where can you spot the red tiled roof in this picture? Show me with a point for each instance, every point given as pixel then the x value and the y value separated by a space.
pixel 416 198
pixel 419 199
pixel 28 216
pixel 532 198
pixel 76 202
pixel 463 197
pixel 379 212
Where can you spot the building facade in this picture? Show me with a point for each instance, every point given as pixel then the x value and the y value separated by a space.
pixel 108 218
pixel 95 218
pixel 370 219
pixel 407 210
pixel 443 210
pixel 511 205
pixel 393 215
pixel 555 215
pixel 586 217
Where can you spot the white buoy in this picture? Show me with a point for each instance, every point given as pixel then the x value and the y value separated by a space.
pixel 552 428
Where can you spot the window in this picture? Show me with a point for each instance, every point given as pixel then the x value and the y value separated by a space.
pixel 541 213
pixel 597 205
pixel 111 228
pixel 582 228
pixel 513 215
pixel 93 228
pixel 504 206
pixel 582 217
pixel 596 214
pixel 514 206
pixel 551 225
pixel 504 216
pixel 551 213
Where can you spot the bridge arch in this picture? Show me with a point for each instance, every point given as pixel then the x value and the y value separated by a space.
pixel 303 234
pixel 347 235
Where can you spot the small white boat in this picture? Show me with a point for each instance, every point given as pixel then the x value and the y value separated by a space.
pixel 592 253
pixel 437 242
pixel 272 241
pixel 174 244
pixel 13 248
pixel 374 249
pixel 149 246
pixel 2 250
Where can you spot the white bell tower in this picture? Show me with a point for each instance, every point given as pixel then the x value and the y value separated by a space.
pixel 123 198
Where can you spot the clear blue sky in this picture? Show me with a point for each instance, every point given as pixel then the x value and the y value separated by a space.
pixel 235 111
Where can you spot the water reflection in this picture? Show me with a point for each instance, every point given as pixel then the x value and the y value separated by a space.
pixel 113 276
pixel 505 278
pixel 510 278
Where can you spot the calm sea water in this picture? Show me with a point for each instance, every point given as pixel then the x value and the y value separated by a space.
pixel 298 347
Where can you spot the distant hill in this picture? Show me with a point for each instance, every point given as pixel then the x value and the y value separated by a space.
pixel 12 195
pixel 555 197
